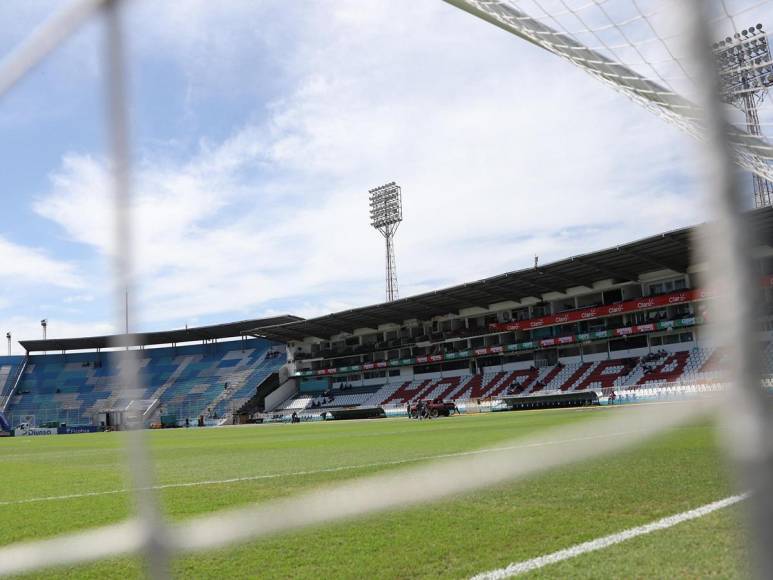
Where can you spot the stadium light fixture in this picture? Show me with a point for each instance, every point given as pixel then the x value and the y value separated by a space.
pixel 44 324
pixel 746 72
pixel 386 213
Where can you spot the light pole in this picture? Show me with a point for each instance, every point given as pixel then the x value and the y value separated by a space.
pixel 8 336
pixel 746 73
pixel 386 213
pixel 44 324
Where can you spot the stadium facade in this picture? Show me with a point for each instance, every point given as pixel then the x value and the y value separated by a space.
pixel 621 320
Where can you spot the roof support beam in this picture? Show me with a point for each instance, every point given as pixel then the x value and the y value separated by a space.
pixel 424 305
pixel 659 262
pixel 325 327
pixel 614 273
pixel 680 240
pixel 573 283
pixel 545 284
pixel 365 318
pixel 400 311
pixel 539 289
pixel 484 291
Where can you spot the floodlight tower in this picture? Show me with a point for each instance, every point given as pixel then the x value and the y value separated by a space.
pixel 386 213
pixel 746 72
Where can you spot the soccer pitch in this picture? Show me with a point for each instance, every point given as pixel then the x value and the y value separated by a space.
pixel 52 485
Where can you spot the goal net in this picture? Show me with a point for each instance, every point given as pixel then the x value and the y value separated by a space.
pixel 640 49
pixel 701 65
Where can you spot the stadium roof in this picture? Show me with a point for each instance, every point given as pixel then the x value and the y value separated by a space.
pixel 228 330
pixel 668 251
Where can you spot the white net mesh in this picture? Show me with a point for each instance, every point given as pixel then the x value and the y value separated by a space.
pixel 639 48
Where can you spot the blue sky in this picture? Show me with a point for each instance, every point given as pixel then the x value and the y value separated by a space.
pixel 258 128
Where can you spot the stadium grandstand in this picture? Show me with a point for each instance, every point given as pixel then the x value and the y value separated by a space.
pixel 658 475
pixel 194 374
pixel 624 322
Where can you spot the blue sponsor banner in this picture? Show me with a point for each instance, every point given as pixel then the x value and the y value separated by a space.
pixel 26 431
pixel 75 429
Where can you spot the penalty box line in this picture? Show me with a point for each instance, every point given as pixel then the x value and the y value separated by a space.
pixel 518 568
pixel 207 482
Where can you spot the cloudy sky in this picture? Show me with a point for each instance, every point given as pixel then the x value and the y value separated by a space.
pixel 258 127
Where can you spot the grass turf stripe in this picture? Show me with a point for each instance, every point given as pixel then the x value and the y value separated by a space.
pixel 518 568
pixel 306 472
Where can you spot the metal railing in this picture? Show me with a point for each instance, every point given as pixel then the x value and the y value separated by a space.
pixel 16 379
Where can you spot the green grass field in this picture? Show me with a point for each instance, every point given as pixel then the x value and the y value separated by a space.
pixel 452 538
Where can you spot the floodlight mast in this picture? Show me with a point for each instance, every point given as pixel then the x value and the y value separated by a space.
pixel 746 72
pixel 386 213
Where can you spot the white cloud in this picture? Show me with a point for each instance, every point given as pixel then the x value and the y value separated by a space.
pixel 502 151
pixel 24 266
pixel 78 298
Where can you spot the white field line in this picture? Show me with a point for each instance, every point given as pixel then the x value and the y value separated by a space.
pixel 322 470
pixel 306 472
pixel 607 541
pixel 367 495
pixel 43 455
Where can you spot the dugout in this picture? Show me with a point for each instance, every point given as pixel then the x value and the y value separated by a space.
pixel 112 419
pixel 551 401
pixel 356 413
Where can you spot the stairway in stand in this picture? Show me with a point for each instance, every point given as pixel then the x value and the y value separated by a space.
pixel 235 382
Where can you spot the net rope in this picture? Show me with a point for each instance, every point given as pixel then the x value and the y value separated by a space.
pixel 629 48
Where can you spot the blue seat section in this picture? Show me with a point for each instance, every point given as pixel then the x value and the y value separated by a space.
pixel 9 365
pixel 188 381
pixel 256 374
